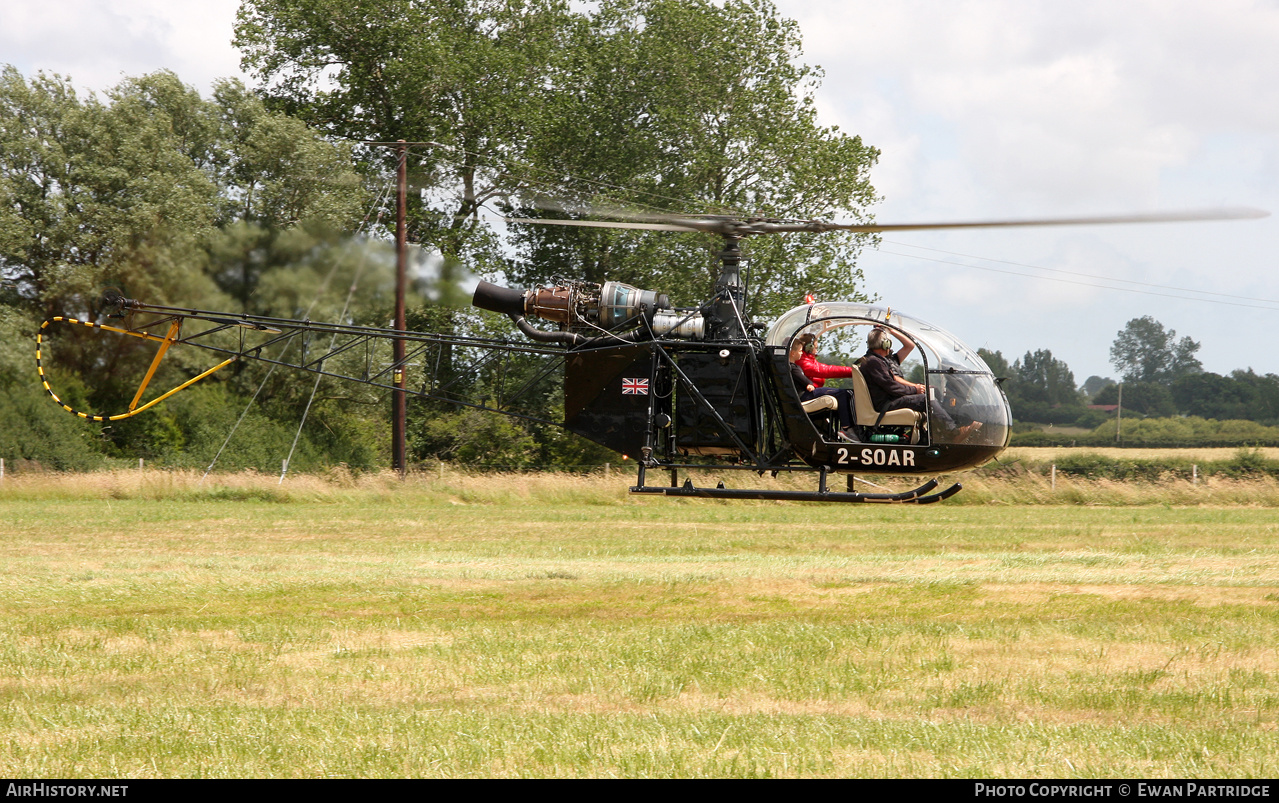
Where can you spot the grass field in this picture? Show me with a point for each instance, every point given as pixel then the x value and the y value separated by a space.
pixel 1205 454
pixel 556 626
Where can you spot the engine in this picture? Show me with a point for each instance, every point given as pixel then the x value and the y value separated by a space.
pixel 590 309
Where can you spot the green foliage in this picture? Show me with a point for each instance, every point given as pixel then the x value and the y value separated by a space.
pixel 273 170
pixel 698 107
pixel 189 429
pixel 476 439
pixel 1190 431
pixel 472 76
pixel 131 191
pixel 102 192
pixel 997 364
pixel 1040 388
pixel 1144 351
pixel 1042 378
pixel 1246 462
pixel 174 200
pixel 309 271
pixel 1056 414
pixel 691 106
pixel 1093 385
pixel 566 451
pixel 1243 394
pixel 1091 419
pixel 35 433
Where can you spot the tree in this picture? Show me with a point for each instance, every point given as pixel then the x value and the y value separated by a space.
pixel 996 362
pixel 1045 379
pixel 152 190
pixel 274 171
pixel 102 193
pixel 471 76
pixel 135 190
pixel 674 106
pixel 1040 388
pixel 1244 395
pixel 1093 384
pixel 1144 351
pixel 697 107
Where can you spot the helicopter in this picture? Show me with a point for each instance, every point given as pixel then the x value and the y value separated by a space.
pixel 673 388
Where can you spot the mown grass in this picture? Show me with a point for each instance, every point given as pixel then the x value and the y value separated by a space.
pixel 557 626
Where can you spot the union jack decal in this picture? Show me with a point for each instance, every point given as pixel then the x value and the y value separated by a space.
pixel 634 387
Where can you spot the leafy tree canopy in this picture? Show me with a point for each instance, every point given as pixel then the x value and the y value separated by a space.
pixel 1039 387
pixel 1144 351
pixel 650 105
pixel 135 189
pixel 1093 384
pixel 170 197
pixel 699 108
pixel 1243 395
pixel 1043 378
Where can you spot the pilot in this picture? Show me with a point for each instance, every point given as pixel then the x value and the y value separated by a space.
pixel 818 372
pixel 890 390
pixel 808 390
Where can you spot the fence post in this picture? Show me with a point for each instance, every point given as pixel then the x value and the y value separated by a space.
pixel 1194 473
pixel 1 469
pixel 1054 479
pixel 139 464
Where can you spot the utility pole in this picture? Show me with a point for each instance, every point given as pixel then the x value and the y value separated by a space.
pixel 1119 413
pixel 398 461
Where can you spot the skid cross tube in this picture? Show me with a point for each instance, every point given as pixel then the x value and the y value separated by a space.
pixel 915 496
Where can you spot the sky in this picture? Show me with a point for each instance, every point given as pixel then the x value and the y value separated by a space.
pixel 982 109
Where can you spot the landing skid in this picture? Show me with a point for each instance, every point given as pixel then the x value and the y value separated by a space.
pixel 916 496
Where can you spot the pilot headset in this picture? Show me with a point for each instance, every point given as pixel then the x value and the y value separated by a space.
pixel 879 339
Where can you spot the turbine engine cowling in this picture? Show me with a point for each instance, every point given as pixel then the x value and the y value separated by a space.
pixel 587 308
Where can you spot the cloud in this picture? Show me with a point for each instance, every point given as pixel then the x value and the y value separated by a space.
pixel 1091 99
pixel 97 44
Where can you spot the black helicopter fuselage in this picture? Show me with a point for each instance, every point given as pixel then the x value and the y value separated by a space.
pixel 682 389
pixel 672 403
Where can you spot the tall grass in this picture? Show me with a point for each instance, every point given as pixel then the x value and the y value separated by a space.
pixel 1022 481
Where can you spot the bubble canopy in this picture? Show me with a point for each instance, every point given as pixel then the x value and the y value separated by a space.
pixel 942 351
pixel 957 377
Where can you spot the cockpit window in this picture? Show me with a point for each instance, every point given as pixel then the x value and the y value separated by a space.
pixel 944 351
pixel 957 378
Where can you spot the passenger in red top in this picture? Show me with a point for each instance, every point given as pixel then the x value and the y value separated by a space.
pixel 818 372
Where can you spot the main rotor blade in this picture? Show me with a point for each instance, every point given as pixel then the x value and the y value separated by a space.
pixel 1232 213
pixel 603 224
pixel 742 228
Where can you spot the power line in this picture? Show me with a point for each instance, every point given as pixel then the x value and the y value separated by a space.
pixel 1083 275
pixel 1262 302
